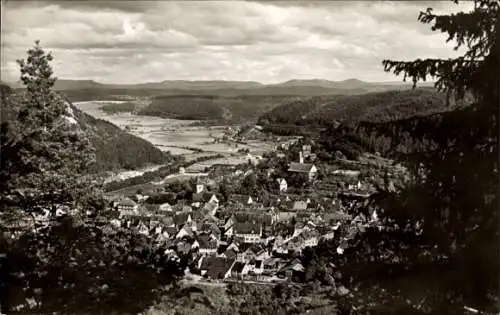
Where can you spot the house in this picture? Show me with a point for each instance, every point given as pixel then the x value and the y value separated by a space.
pixel 203 197
pixel 349 173
pixel 229 232
pixel 303 168
pixel 284 216
pixel 251 251
pixel 142 228
pixel 183 248
pixel 238 271
pixel 256 267
pixel 271 265
pixel 211 207
pixel 199 188
pixel 282 184
pixel 249 232
pixel 292 268
pixel 126 206
pixel 257 216
pixel 241 199
pixel 185 232
pixel 299 205
pixel 182 218
pixel 231 253
pixel 306 150
pixel 207 245
pixel 165 207
pixel 216 267
pixel 210 228
pixel 354 185
pixel 182 170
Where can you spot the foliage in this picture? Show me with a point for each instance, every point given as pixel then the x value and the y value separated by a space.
pixel 321 111
pixel 45 153
pixel 218 107
pixel 80 269
pixel 452 205
pixel 116 149
pixel 118 108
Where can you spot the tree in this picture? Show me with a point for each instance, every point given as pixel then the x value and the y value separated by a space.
pixel 45 154
pixel 457 201
pixel 249 184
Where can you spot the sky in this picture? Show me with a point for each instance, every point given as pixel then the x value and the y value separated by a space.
pixel 269 42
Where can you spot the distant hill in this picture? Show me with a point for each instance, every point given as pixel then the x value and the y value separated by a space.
pixel 214 107
pixel 115 148
pixel 374 107
pixel 219 87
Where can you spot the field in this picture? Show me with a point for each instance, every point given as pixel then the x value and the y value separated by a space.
pixel 179 137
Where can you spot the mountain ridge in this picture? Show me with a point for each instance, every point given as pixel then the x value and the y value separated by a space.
pixel 352 83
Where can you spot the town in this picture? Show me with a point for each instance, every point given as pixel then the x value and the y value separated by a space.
pixel 250 222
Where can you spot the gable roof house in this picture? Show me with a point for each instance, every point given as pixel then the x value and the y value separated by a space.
pixel 184 232
pixel 165 207
pixel 211 207
pixel 240 199
pixel 303 168
pixel 248 232
pixel 216 267
pixel 181 218
pixel 283 186
pixel 126 206
pixel 238 270
pixel 207 244
pixel 299 205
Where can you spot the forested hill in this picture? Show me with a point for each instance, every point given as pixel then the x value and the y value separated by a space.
pixel 214 107
pixel 373 107
pixel 115 148
pixel 400 138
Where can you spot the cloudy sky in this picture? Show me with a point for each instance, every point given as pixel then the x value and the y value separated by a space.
pixel 140 41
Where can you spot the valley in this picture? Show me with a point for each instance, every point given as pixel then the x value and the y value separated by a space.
pixel 183 138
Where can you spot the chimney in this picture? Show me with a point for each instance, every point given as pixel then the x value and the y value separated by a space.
pixel 301 158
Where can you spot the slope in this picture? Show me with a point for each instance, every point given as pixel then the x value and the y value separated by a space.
pixel 115 149
pixel 380 106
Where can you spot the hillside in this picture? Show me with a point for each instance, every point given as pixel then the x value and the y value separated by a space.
pixel 375 107
pixel 399 138
pixel 213 107
pixel 115 149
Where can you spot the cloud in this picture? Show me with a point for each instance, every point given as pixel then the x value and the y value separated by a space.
pixel 137 41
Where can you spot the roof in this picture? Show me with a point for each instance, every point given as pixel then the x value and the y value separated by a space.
pixel 230 253
pixel 216 267
pixel 238 266
pixel 210 227
pixel 300 167
pixel 299 205
pixel 247 228
pixel 181 217
pixel 203 196
pixel 171 230
pixel 126 202
pixel 210 206
pixel 239 198
pixel 206 241
pixel 244 217
pixel 152 207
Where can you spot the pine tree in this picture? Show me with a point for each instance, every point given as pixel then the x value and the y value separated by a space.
pixel 458 201
pixel 45 154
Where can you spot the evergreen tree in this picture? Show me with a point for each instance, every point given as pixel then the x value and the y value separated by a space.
pixel 457 199
pixel 44 152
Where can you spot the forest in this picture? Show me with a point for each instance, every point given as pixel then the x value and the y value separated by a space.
pixel 321 111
